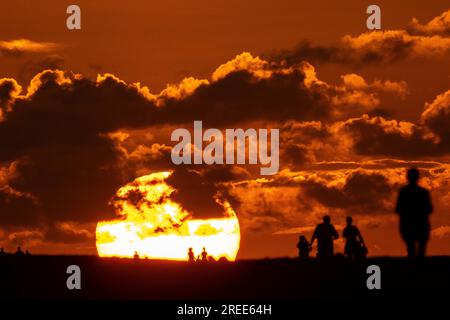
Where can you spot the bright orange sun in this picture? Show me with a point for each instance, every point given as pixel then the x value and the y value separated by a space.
pixel 158 228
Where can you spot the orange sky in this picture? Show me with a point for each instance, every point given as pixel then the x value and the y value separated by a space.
pixel 334 159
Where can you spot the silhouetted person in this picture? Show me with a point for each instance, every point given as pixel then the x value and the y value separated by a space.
pixel 325 233
pixel 19 252
pixel 414 207
pixel 204 255
pixel 303 247
pixel 354 243
pixel 27 253
pixel 191 255
pixel 2 252
pixel 136 256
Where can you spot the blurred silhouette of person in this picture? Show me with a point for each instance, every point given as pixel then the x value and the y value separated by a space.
pixel 191 255
pixel 27 253
pixel 19 252
pixel 303 247
pixel 325 233
pixel 354 243
pixel 414 207
pixel 204 255
pixel 136 256
pixel 2 252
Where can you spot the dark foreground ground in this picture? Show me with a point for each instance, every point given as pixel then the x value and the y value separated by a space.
pixel 44 277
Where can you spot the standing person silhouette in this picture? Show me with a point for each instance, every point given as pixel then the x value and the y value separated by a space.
pixel 354 240
pixel 414 207
pixel 191 255
pixel 19 252
pixel 204 255
pixel 303 247
pixel 325 233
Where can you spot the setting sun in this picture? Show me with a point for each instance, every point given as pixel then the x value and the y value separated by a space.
pixel 155 227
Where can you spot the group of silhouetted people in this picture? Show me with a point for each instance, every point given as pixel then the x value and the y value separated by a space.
pixel 413 206
pixel 19 252
pixel 203 257
pixel 326 233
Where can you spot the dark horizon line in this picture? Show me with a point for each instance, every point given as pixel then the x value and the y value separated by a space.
pixel 335 257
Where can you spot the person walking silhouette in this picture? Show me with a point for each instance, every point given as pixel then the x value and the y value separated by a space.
pixel 414 207
pixel 325 233
pixel 354 242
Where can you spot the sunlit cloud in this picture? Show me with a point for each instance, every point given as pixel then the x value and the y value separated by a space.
pixel 26 45
pixel 439 25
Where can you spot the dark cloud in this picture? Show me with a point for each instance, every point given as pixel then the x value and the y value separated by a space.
pixel 224 173
pixel 70 115
pixel 195 194
pixel 24 237
pixel 69 233
pixel 242 97
pixel 18 209
pixel 32 67
pixel 430 137
pixel 377 47
pixel 377 136
pixel 437 117
pixel 307 51
pixel 295 156
pixel 9 89
pixel 388 50
pixel 267 216
pixel 55 138
pixel 362 193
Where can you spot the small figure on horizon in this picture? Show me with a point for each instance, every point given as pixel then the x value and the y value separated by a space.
pixel 136 256
pixel 204 255
pixel 2 252
pixel 303 247
pixel 325 233
pixel 27 253
pixel 414 207
pixel 19 252
pixel 354 244
pixel 191 255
